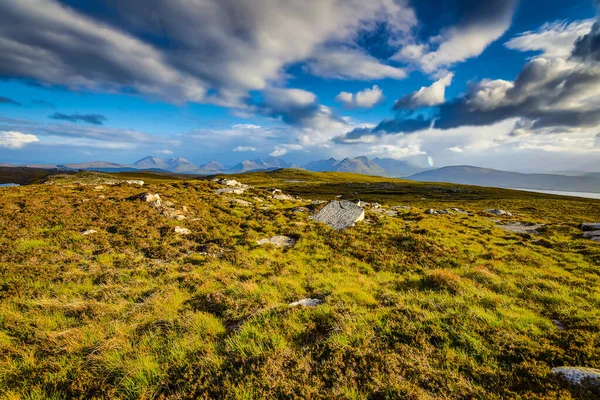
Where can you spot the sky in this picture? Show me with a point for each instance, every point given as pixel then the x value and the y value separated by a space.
pixel 504 84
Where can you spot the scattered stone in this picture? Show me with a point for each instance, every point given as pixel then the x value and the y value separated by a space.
pixel 521 228
pixel 89 232
pixel 241 202
pixel 182 231
pixel 362 204
pixel 339 196
pixel 590 226
pixel 275 191
pixel 229 182
pixel 591 234
pixel 278 241
pixel 317 202
pixel 375 205
pixel 102 197
pixel 258 199
pixel 232 190
pixel 306 303
pixel 400 208
pixel 340 214
pixel 459 211
pixel 283 197
pixel 499 212
pixel 135 182
pixel 389 213
pixel 99 187
pixel 431 211
pixel 184 209
pixel 168 204
pixel 596 239
pixel 579 376
pixel 147 197
pixel 559 325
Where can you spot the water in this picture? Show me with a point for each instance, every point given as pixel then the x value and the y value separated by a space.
pixel 587 195
pixel 9 184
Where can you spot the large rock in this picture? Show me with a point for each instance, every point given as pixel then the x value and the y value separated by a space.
pixel 591 234
pixel 147 197
pixel 340 214
pixel 579 376
pixel 590 226
pixel 278 241
pixel 521 228
pixel 135 182
pixel 229 182
pixel 499 212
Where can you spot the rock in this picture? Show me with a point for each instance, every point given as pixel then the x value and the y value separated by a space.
pixel 229 182
pixel 102 197
pixel 178 217
pixel 431 211
pixel 400 208
pixel 275 191
pixel 459 211
pixel 135 182
pixel 521 228
pixel 340 214
pixel 590 226
pixel 375 205
pixel 147 197
pixel 559 325
pixel 591 234
pixel 236 190
pixel 579 376
pixel 362 204
pixel 99 187
pixel 596 239
pixel 168 204
pixel 283 197
pixel 339 196
pixel 182 231
pixel 258 199
pixel 89 232
pixel 241 202
pixel 306 303
pixel 278 241
pixel 499 212
pixel 317 202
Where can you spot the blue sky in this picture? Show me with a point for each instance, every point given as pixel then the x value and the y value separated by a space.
pixel 232 80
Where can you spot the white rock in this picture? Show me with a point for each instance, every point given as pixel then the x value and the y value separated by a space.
pixel 306 303
pixel 229 182
pixel 591 234
pixel 241 202
pixel 317 202
pixel 340 214
pixel 182 231
pixel 232 190
pixel 135 182
pixel 283 197
pixel 579 376
pixel 499 212
pixel 89 232
pixel 278 241
pixel 147 197
pixel 99 187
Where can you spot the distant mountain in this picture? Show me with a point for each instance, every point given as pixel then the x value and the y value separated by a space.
pixel 181 165
pixel 92 165
pixel 259 164
pixel 397 168
pixel 364 165
pixel 151 162
pixel 211 168
pixel 490 177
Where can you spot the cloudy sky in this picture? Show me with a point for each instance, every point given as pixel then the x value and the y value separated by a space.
pixel 496 83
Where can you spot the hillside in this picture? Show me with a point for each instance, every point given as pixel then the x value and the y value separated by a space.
pixel 364 165
pixel 491 177
pixel 101 297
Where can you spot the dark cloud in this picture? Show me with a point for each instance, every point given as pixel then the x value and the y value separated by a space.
pixel 92 119
pixel 587 48
pixel 6 100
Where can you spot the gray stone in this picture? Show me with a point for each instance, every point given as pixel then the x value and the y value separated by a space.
pixel 317 202
pixel 340 214
pixel 499 212
pixel 231 190
pixel 590 226
pixel 579 376
pixel 521 228
pixel 306 303
pixel 278 241
pixel 283 197
pixel 135 182
pixel 229 182
pixel 241 202
pixel 591 234
pixel 89 232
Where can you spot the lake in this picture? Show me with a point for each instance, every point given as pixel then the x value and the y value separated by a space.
pixel 9 184
pixel 587 195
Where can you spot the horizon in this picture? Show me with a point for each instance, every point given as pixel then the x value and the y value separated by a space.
pixel 506 85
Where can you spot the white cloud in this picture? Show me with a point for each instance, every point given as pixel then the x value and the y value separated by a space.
pixel 283 149
pixel 351 64
pixel 244 148
pixel 366 98
pixel 427 96
pixel 165 151
pixel 16 140
pixel 455 149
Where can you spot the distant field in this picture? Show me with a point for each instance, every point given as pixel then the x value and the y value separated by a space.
pixel 414 305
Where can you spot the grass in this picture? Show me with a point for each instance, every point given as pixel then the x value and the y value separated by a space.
pixel 415 306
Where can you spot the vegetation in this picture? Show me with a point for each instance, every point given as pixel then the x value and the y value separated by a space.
pixel 414 306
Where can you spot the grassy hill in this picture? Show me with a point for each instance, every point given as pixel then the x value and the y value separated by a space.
pixel 414 306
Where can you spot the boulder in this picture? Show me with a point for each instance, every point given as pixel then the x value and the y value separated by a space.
pixel 340 214
pixel 436 212
pixel 499 212
pixel 147 197
pixel 231 190
pixel 229 182
pixel 590 226
pixel 135 182
pixel 306 303
pixel 283 197
pixel 579 376
pixel 241 202
pixel 278 241
pixel 591 234
pixel 89 232
pixel 521 228
pixel 182 231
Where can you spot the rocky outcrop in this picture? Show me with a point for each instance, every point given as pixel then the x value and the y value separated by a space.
pixel 306 303
pixel 590 226
pixel 340 214
pixel 588 378
pixel 499 212
pixel 241 202
pixel 278 241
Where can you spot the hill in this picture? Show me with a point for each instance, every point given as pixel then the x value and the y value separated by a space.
pixel 364 165
pixel 491 177
pixel 101 296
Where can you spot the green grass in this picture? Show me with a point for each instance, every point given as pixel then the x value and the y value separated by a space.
pixel 415 306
